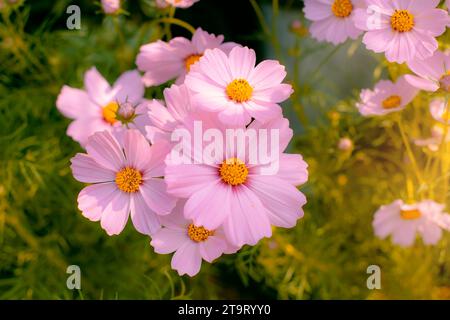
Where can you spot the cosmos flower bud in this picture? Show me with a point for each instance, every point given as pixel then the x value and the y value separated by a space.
pixel 345 144
pixel 111 6
pixel 298 28
pixel 126 112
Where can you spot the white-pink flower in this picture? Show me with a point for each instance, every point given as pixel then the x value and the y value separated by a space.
pixel 432 73
pixel 125 176
pixel 386 97
pixel 403 221
pixel 163 61
pixel 95 108
pixel 191 243
pixel 405 30
pixel 233 87
pixel 333 19
pixel 235 191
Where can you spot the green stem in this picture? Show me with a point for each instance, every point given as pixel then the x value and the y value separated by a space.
pixel 409 150
pixel 177 22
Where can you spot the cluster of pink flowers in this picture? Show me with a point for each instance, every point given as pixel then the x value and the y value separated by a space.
pixel 198 210
pixel 405 31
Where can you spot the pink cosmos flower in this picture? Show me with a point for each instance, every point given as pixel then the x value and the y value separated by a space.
pixel 404 30
pixel 403 221
pixel 434 141
pixel 95 108
pixel 333 19
pixel 162 61
pixel 191 243
pixel 237 192
pixel 233 87
pixel 432 73
pixel 176 3
pixel 110 6
pixel 387 97
pixel 124 172
pixel 440 110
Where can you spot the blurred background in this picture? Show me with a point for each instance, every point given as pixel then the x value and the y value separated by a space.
pixel 324 257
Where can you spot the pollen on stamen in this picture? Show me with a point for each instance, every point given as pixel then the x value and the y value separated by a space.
pixel 233 171
pixel 239 90
pixel 392 102
pixel 198 234
pixel 192 59
pixel 342 8
pixel 410 214
pixel 109 112
pixel 402 21
pixel 128 180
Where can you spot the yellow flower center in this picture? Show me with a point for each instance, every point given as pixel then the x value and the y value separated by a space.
pixel 410 214
pixel 233 171
pixel 239 90
pixel 342 8
pixel 189 61
pixel 128 179
pixel 110 111
pixel 402 21
pixel 392 102
pixel 198 234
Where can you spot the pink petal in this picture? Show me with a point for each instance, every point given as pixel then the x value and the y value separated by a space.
pixel 203 40
pixel 169 240
pixel 183 180
pixel 178 100
pixel 115 215
pixel 130 87
pixel 137 149
pixel 282 200
pixel 242 61
pixel 247 221
pixel 154 192
pixel 187 259
pixel 315 10
pixel 74 103
pixel 212 248
pixel 97 87
pixel 267 74
pixel 209 207
pixel 81 129
pixel 161 61
pixel 292 169
pixel 105 150
pixel 86 170
pixel 431 233
pixel 144 219
pixel 155 165
pixel 234 115
pixel 422 83
pixel 93 199
pixel 277 93
pixel 262 111
pixel 405 234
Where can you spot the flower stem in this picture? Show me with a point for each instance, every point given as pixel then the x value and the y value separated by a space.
pixel 177 22
pixel 409 150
